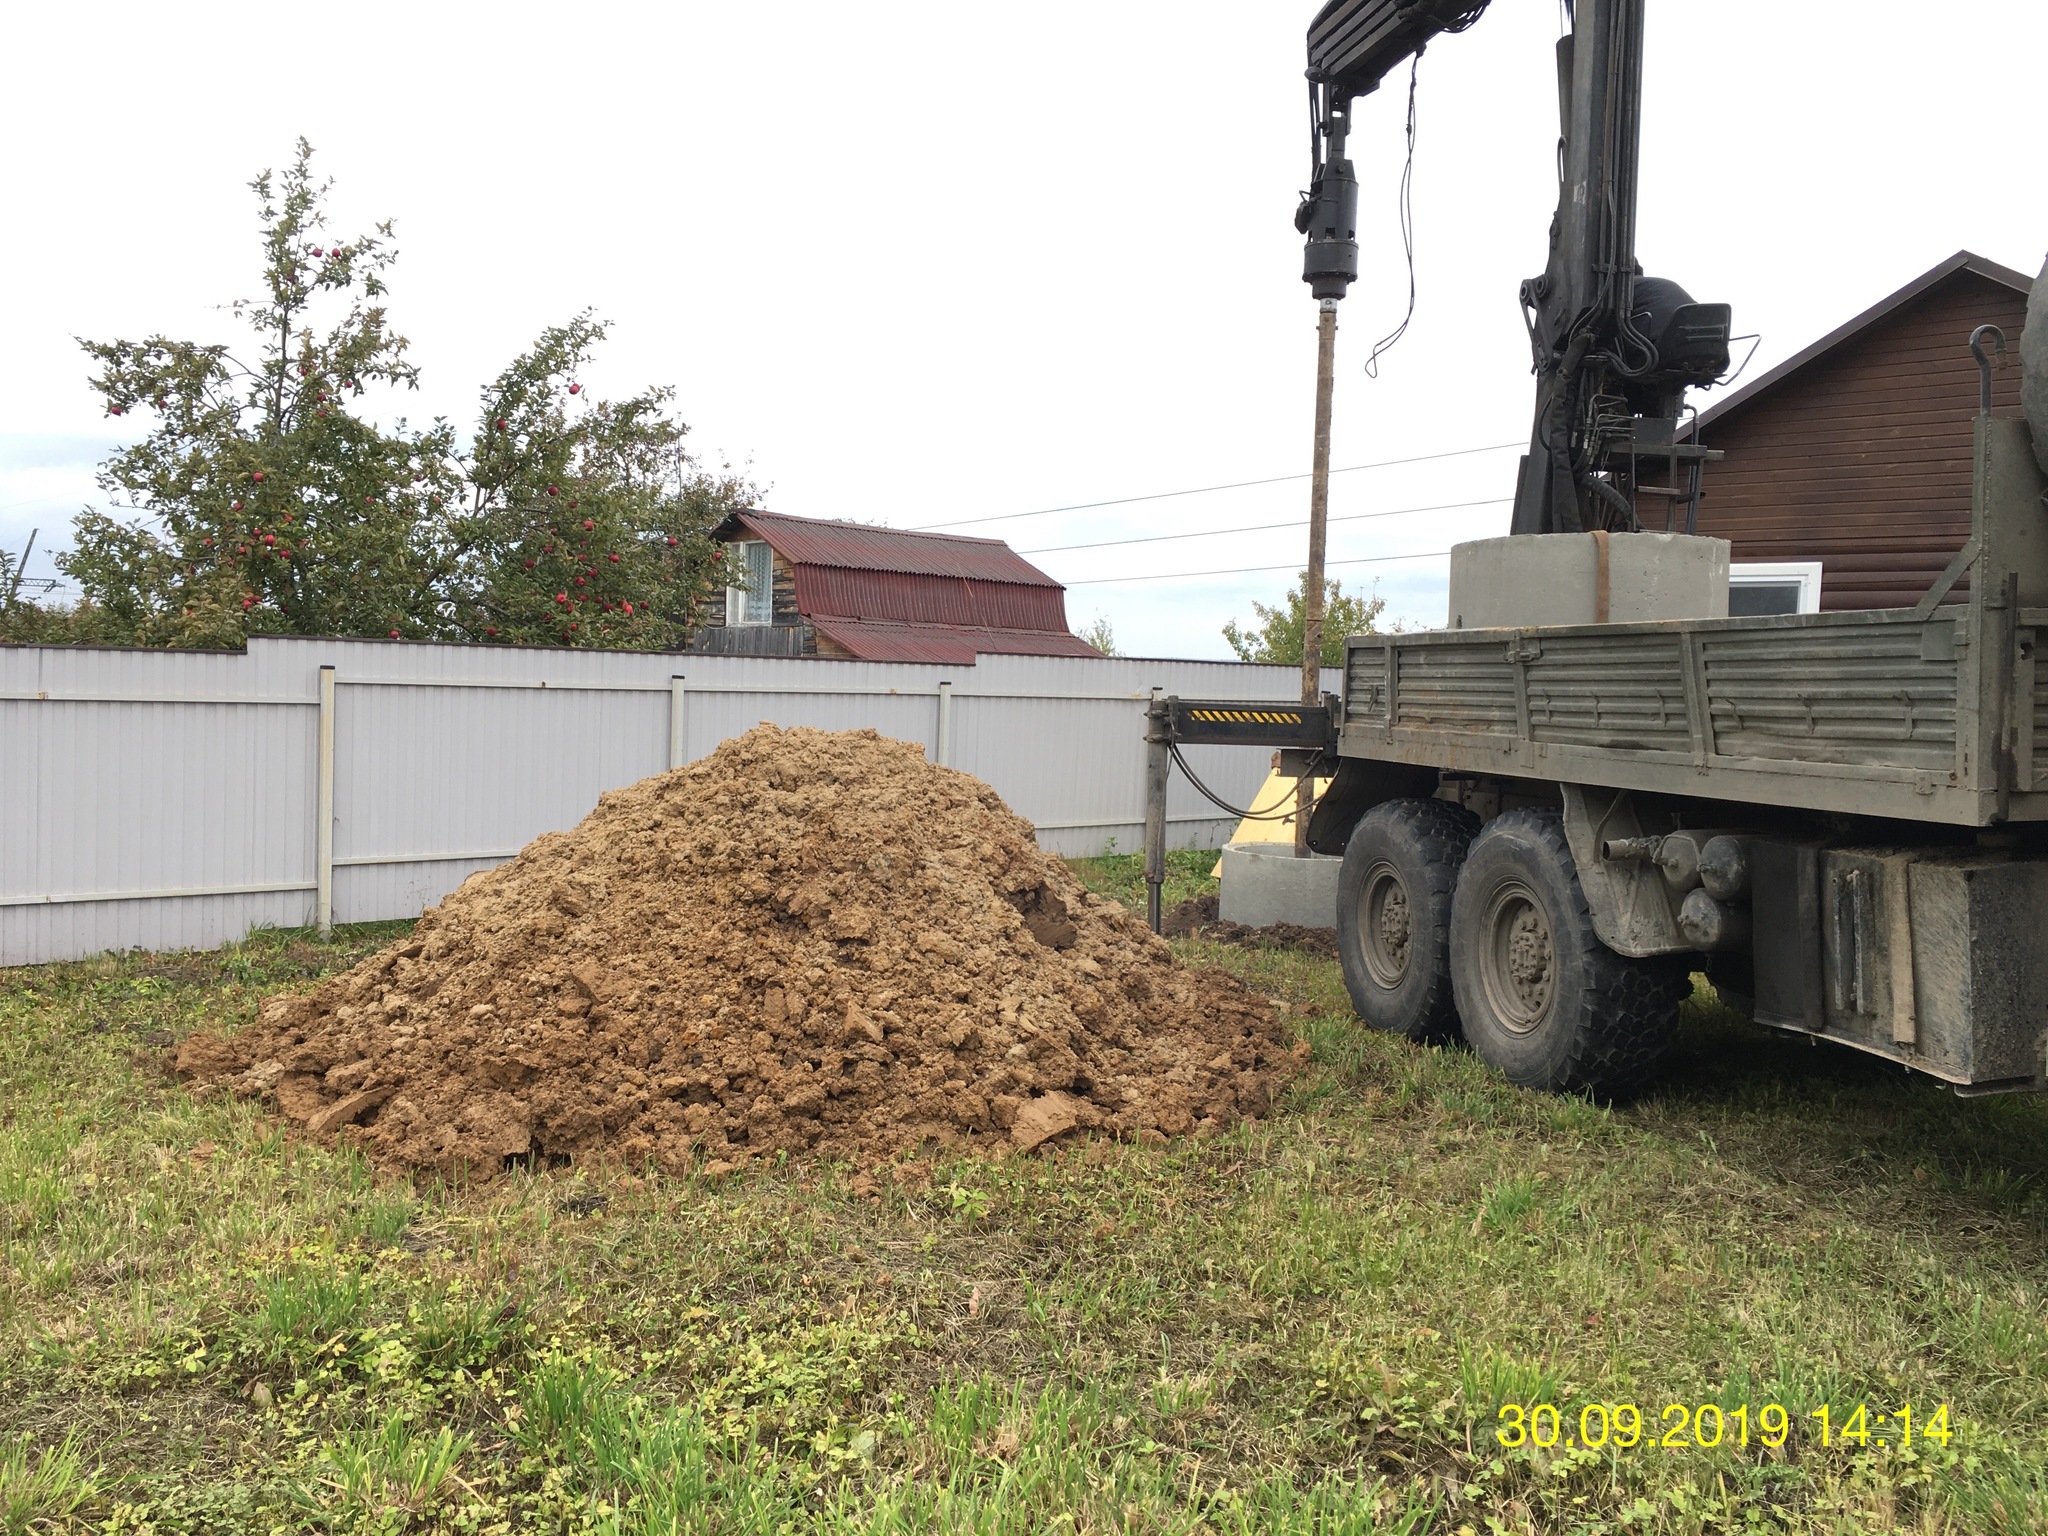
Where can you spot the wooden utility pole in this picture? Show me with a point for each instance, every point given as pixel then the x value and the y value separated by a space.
pixel 1318 530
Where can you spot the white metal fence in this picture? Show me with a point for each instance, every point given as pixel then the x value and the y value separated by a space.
pixel 164 800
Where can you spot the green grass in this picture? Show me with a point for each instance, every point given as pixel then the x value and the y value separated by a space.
pixel 1309 1325
pixel 1123 876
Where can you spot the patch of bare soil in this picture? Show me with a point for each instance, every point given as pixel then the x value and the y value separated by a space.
pixel 1196 918
pixel 808 942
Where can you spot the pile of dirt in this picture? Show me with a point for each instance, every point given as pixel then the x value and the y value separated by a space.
pixel 808 942
pixel 1196 918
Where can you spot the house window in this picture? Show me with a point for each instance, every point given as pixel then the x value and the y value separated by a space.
pixel 1773 586
pixel 754 561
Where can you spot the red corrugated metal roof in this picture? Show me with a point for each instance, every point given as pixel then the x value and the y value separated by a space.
pixel 823 589
pixel 860 547
pixel 953 644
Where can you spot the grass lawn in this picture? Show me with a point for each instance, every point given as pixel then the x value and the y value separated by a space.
pixel 1310 1325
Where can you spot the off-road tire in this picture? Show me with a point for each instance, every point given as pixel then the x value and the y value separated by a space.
pixel 1394 915
pixel 1542 1000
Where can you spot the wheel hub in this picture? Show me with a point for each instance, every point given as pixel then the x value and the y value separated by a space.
pixel 1520 958
pixel 1387 926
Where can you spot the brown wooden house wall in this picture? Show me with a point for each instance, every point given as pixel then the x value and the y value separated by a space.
pixel 1861 458
pixel 711 610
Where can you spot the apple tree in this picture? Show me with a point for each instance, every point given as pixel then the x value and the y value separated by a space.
pixel 584 521
pixel 262 497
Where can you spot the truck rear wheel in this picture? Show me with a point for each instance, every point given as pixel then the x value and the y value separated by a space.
pixel 1543 1001
pixel 1394 915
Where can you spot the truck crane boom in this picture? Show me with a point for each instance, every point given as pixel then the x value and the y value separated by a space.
pixel 1614 351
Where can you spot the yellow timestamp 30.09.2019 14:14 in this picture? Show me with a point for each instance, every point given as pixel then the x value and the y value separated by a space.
pixel 1705 1426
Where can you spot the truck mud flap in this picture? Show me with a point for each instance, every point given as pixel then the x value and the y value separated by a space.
pixel 1362 783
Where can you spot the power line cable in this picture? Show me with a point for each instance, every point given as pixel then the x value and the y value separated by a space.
pixel 1255 570
pixel 1300 522
pixel 1203 490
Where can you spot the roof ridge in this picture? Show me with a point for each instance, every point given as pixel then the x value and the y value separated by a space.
pixel 843 522
pixel 1962 261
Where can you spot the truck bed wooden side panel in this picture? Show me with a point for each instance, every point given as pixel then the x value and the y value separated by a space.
pixel 1872 713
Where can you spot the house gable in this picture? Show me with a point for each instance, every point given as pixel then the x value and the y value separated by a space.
pixel 1856 453
pixel 848 589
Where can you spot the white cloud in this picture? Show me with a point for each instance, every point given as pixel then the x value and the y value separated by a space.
pixel 921 261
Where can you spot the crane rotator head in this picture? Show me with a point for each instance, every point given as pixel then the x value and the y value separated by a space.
pixel 1352 46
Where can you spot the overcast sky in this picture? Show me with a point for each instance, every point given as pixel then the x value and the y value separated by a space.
pixel 921 263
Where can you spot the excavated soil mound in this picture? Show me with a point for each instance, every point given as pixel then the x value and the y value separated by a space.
pixel 805 943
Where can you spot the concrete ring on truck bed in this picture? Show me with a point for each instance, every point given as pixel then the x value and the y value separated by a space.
pixel 1394 915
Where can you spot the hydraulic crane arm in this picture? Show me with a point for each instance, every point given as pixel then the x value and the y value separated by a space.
pixel 1352 46
pixel 1355 44
pixel 1614 351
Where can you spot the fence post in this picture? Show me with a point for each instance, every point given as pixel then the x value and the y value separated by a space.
pixel 323 811
pixel 944 755
pixel 678 703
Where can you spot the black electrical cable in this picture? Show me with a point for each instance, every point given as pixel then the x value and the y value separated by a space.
pixel 1755 340
pixel 1216 800
pixel 1407 205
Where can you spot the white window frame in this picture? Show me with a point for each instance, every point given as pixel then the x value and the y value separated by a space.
pixel 737 598
pixel 1779 573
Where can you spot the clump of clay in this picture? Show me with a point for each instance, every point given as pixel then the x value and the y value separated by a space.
pixel 810 943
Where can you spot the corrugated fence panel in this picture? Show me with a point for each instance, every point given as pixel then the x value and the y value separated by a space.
pixel 715 717
pixel 434 782
pixel 139 804
pixel 163 800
